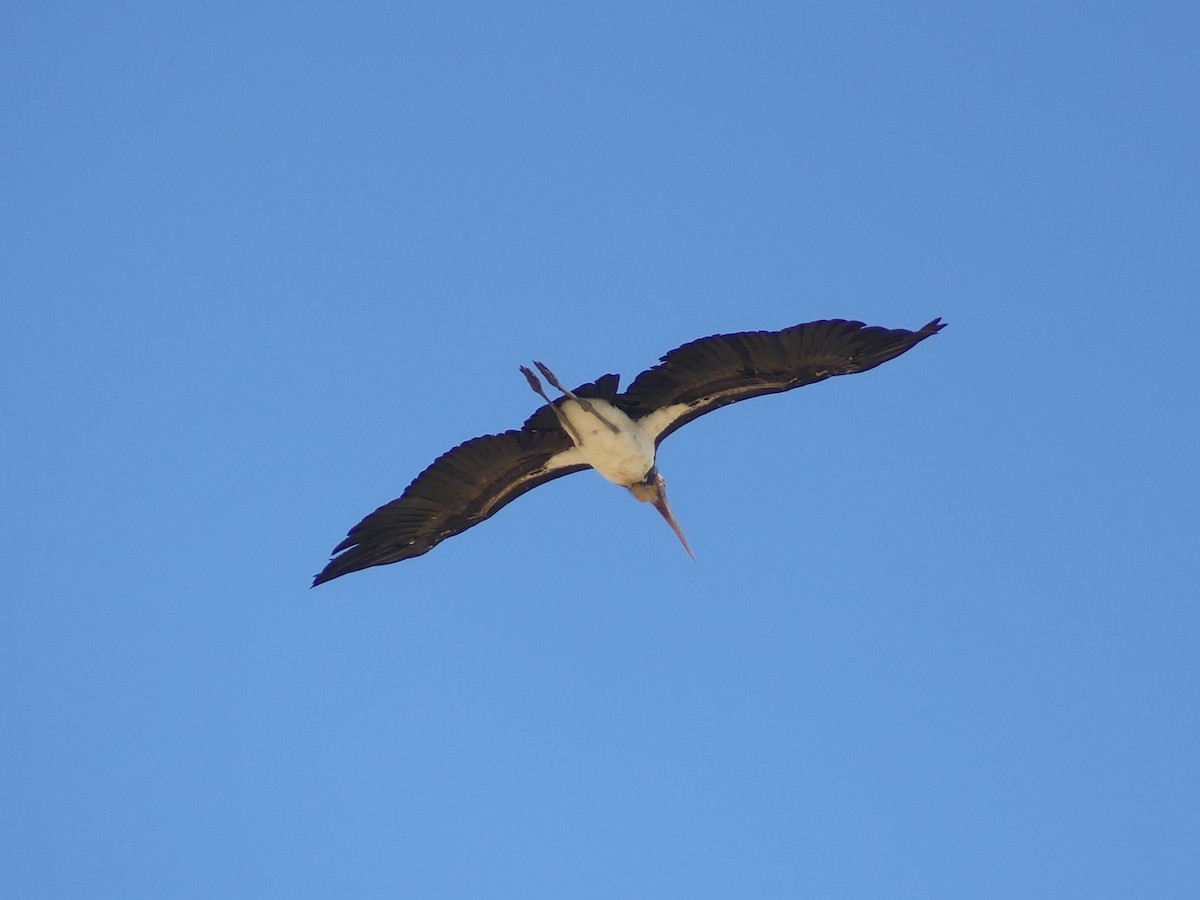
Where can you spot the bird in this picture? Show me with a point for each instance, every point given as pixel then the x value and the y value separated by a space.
pixel 616 433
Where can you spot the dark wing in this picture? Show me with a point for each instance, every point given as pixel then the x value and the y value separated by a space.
pixel 715 371
pixel 462 488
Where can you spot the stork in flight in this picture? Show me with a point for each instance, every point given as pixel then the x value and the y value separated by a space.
pixel 617 434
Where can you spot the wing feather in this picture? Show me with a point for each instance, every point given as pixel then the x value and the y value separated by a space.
pixel 461 488
pixel 712 372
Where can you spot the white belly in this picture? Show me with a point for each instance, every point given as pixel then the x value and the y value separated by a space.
pixel 622 457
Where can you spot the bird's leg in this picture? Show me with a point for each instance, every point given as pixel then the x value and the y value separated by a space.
pixel 554 382
pixel 558 413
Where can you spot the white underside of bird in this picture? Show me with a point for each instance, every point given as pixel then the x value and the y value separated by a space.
pixel 623 456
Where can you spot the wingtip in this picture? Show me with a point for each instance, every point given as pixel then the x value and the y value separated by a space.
pixel 934 327
pixel 326 574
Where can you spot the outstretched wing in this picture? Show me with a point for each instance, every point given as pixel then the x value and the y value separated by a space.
pixel 461 488
pixel 715 371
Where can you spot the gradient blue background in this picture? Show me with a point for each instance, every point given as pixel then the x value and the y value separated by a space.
pixel 261 263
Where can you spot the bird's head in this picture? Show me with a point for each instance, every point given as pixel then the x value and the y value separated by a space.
pixel 653 489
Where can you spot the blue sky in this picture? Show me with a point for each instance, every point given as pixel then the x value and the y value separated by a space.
pixel 263 262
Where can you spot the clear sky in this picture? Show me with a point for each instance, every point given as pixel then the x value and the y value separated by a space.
pixel 262 262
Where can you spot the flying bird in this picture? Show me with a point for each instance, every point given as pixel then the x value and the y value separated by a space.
pixel 617 434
